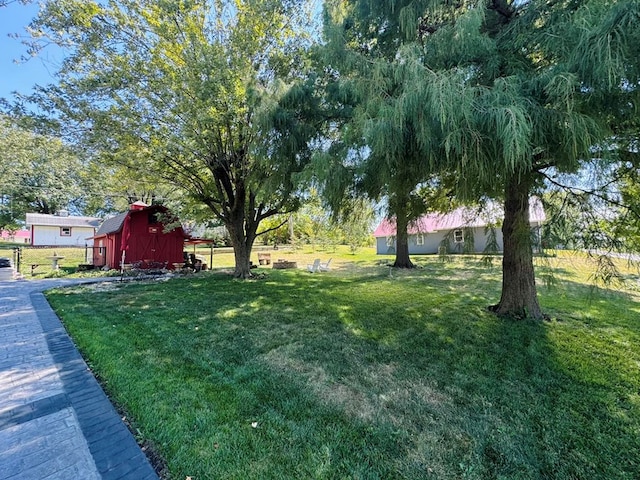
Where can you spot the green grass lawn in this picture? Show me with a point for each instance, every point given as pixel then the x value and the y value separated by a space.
pixel 368 373
pixel 36 262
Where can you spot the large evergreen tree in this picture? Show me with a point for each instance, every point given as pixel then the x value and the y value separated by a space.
pixel 381 152
pixel 501 92
pixel 195 93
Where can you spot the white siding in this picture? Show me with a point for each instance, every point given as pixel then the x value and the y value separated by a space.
pixel 50 235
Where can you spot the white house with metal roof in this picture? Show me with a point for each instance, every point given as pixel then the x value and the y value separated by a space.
pixel 61 229
pixel 465 229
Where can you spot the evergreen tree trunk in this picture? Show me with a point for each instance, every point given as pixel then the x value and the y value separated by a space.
pixel 402 240
pixel 519 297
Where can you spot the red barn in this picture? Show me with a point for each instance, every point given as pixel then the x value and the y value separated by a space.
pixel 139 233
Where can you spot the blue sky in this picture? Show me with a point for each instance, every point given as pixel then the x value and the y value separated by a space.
pixel 22 76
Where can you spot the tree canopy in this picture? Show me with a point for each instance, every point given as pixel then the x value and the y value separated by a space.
pixel 495 94
pixel 38 174
pixel 217 99
pixel 201 95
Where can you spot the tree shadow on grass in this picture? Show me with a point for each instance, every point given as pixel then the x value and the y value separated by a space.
pixel 470 394
pixel 370 377
pixel 506 391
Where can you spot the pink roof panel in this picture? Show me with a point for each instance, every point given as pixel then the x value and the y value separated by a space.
pixel 20 234
pixel 458 218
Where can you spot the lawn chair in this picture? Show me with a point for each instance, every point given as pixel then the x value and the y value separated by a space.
pixel 315 267
pixel 324 267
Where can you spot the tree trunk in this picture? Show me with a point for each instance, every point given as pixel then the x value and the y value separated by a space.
pixel 242 257
pixel 519 297
pixel 242 243
pixel 402 240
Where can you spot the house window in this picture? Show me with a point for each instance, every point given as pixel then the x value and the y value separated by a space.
pixel 420 239
pixel 65 231
pixel 390 241
pixel 458 237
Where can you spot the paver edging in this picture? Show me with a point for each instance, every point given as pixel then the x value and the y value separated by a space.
pixel 80 385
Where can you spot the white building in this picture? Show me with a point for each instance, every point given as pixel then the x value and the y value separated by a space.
pixel 61 229
pixel 465 225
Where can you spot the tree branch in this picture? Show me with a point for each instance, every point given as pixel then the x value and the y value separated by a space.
pixel 503 7
pixel 593 193
pixel 272 228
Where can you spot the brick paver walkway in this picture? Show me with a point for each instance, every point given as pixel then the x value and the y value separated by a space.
pixel 56 423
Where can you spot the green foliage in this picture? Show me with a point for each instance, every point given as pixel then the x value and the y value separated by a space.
pixel 200 95
pixel 389 147
pixel 38 174
pixel 491 248
pixel 622 224
pixel 444 248
pixel 312 223
pixel 219 236
pixel 275 230
pixel 468 243
pixel 606 273
pixel 356 224
pixel 8 224
pixel 315 224
pixel 604 218
pixel 493 95
pixel 565 223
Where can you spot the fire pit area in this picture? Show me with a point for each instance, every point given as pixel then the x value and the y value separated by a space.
pixel 282 264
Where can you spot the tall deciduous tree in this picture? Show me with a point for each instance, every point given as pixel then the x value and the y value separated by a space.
pixel 503 91
pixel 38 173
pixel 196 93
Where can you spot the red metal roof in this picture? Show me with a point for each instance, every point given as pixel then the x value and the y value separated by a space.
pixel 458 218
pixel 20 234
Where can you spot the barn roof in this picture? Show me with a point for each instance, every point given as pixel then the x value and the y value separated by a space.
pixel 112 224
pixel 61 221
pixel 115 224
pixel 459 218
